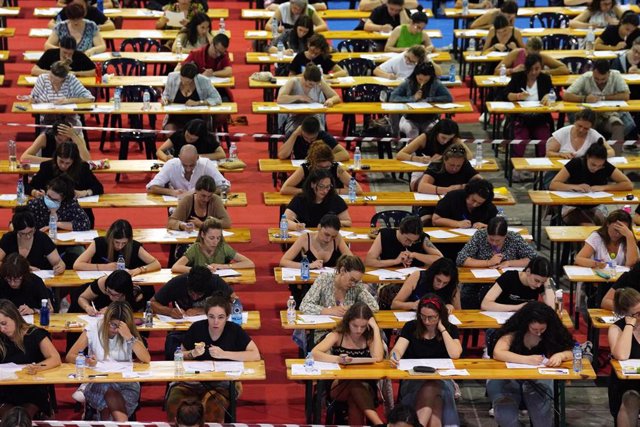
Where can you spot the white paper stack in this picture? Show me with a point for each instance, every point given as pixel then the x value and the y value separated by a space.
pixel 408 364
pixel 91 275
pixel 384 274
pixel 485 273
pixel 44 274
pixel 500 316
pixel 314 319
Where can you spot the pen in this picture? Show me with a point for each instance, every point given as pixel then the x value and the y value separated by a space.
pixel 106 260
pixel 178 307
pixel 99 376
pixel 94 307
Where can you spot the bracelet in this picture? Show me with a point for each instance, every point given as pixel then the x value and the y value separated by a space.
pixel 630 324
pixel 143 268
pixel 132 340
pixel 437 191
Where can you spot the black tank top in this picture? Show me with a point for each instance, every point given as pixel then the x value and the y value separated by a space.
pixel 391 247
pixel 312 257
pixel 193 211
pixel 495 40
pixel 337 350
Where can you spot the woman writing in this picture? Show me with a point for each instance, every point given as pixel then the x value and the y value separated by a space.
pixel 440 279
pixel 318 52
pixel 289 12
pixel 574 140
pixel 211 250
pixel 29 345
pixel 294 40
pixel 599 14
pixel 514 61
pixel 357 336
pixel 471 207
pixel 46 143
pixel 194 132
pixel 116 287
pixel 203 204
pixel 31 243
pixel 91 13
pixel 21 287
pixel 114 337
pixel 59 199
pixel 628 279
pixel 196 34
pixel 619 36
pixel 430 336
pixel 320 156
pixel 212 339
pixel 502 37
pixel 86 33
pixel 406 35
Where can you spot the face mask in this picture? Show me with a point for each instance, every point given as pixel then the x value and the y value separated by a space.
pixel 51 204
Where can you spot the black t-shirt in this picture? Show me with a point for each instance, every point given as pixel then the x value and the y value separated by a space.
pixel 41 247
pixel 579 172
pixel 454 206
pixel 210 145
pixel 391 247
pixel 420 348
pixel 102 300
pixel 31 292
pixel 300 61
pixel 31 353
pixel 610 35
pixel 233 338
pixel 175 290
pixel 514 292
pixel 93 15
pixel 424 287
pixel 102 251
pixel 442 178
pixel 627 280
pixel 311 213
pixel 380 16
pixel 301 146
pixel 79 61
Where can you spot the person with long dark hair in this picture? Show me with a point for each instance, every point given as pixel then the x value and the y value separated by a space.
pixel 295 39
pixel 46 143
pixel 599 14
pixel 430 336
pixel 620 36
pixel 117 286
pixel 195 34
pixel 628 279
pixel 358 335
pixel 534 335
pixel 441 279
pixel 195 208
pixel 410 34
pixel 471 207
pixel 188 8
pixel 59 199
pixel 503 36
pixel 196 133
pixel 21 287
pixel 318 52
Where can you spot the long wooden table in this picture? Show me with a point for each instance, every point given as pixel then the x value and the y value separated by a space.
pixel 126 108
pixel 337 35
pixel 126 13
pixel 264 14
pixel 146 57
pixel 115 81
pixel 119 34
pixel 377 57
pixel 595 324
pixel 5 34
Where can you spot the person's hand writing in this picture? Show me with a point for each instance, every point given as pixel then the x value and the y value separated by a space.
pixel 621 45
pixel 582 188
pixel 24 98
pixel 91 311
pixel 592 98
pixel 25 310
pixel 32 369
pixel 196 222
pixel 566 155
pixel 316 264
pixel 61 101
pixel 344 359
pixel 394 360
pixel 631 320
pixel 288 52
pixel 495 260
pixel 91 360
pixel 208 72
pixel 464 224
pixel 192 103
pixel 418 95
pixel 479 225
pixel 328 103
pixel 534 359
pixel 178 192
pixel 338 310
pixel 554 361
pixel 304 98
pixel 176 314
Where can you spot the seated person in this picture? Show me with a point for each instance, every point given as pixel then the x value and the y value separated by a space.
pixel 316 4
pixel 196 34
pixel 187 7
pixel 190 413
pixel 320 156
pixel 514 61
pixel 385 18
pixel 33 244
pixel 402 65
pixel 407 246
pixel 475 4
pixel 85 32
pixel 629 63
pixel 16 417
pixel 421 86
pixel 181 174
pixel 79 62
pixel 287 13
pixel 294 40
pixel 441 279
pixel 599 14
pixel 628 279
pixel 93 14
pixel 21 287
pixel 509 9
pixel 503 37
pixel 46 142
pixel 117 286
pixel 574 140
pixel 591 172
pixel 317 199
pixel 195 132
pixel 59 199
pixel 318 52
pixel 211 251
pixel 309 131
pixel 620 36
pixel 195 208
pixel 369 5
pixel 411 34
pixel 468 208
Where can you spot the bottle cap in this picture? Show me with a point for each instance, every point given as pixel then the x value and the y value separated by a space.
pixel 44 301
pixel 559 293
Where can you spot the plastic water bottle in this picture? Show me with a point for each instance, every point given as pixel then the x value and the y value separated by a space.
pixel 611 268
pixel 280 51
pixel 589 41
pixel 81 362
pixel 148 315
pixel 478 154
pixel 304 268
pixel 284 227
pixel 116 99
pixel 236 311
pixel 559 302
pixel 233 152
pixel 472 45
pixel 53 226
pixel 309 363
pixel 178 362
pixel 274 28
pixel 178 47
pixel 291 310
pixel 501 213
pixel 357 159
pixel 352 189
pixel 577 358
pixel 20 199
pixel 465 7
pixel 120 264
pixel 452 73
pixel 44 312
pixel 13 157
pixel 503 73
pixel 627 209
pixel 146 101
pixel 100 5
pixel 552 97
pixel 223 26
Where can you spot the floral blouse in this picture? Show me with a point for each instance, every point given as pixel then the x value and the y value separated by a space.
pixel 86 41
pixel 69 211
pixel 479 248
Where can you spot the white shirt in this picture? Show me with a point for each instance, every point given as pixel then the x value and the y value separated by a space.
pixel 563 136
pixel 398 66
pixel 533 92
pixel 119 351
pixel 601 253
pixel 172 173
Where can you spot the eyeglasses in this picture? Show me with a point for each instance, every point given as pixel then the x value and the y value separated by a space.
pixel 429 318
pixel 25 234
pixel 13 279
pixel 114 325
pixel 636 315
pixel 324 187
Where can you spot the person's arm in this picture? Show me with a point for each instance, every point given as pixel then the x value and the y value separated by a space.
pixel 331 96
pixel 581 21
pixel 345 178
pixel 439 221
pixel 432 253
pixel 373 256
pixel 426 42
pixel 292 219
pixel 621 183
pixel 240 261
pixel 601 45
pixel 369 5
pixel 139 349
pixel 407 152
pixel 51 357
pixel 427 186
pixel 508 61
pixel 549 295
pixel 400 301
pixel 584 258
pixel 379 71
pixel 485 21
pixel 79 346
pixel 453 346
pixel 210 94
pixel 278 16
pixel 284 96
pixel 607 300
pixel 370 26
pixel 340 154
pixel 322 350
pixel 87 297
pixel 36 71
pixel 488 47
pixel 345 218
pixel 31 154
pixel 398 351
pixel 53 42
pixel 553 149
pixel 57 264
pixel 99 45
pixel 161 152
pixel 403 93
pixel 165 310
pixel 218 154
pixel 298 246
pixel 376 346
pixel 502 353
pixel 311 302
pixel 559 183
pixel 151 263
pixel 83 262
pixel 107 26
pixel 489 301
pixel 390 46
pixel 441 94
pixel 620 340
pixel 554 67
pixel 181 266
pixel 290 186
pixel 285 150
pixel 318 23
pixel 250 354
pixel 225 72
pixel 85 73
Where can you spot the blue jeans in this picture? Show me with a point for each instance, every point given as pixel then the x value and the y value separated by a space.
pixel 506 396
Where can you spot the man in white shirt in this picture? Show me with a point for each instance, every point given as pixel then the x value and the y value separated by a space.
pixel 402 65
pixel 181 173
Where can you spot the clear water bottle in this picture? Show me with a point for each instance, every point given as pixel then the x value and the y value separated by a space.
pixel 81 363
pixel 20 199
pixel 305 274
pixel 472 45
pixel 291 310
pixel 117 102
pixel 178 362
pixel 284 227
pixel 280 51
pixel 223 26
pixel 236 311
pixel 589 41
pixel 148 316
pixel 357 159
pixel 179 47
pixel 611 268
pixel 233 152
pixel 53 226
pixel 452 73
pixel 309 363
pixel 478 154
pixel 44 312
pixel 146 101
pixel 552 97
pixel 502 214
pixel 503 73
pixel 13 157
pixel 120 264
pixel 352 189
pixel 627 209
pixel 274 28
pixel 465 7
pixel 559 302
pixel 577 358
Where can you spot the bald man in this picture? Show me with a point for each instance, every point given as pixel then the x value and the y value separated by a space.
pixel 178 176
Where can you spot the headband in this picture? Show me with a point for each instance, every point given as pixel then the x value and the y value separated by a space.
pixel 433 301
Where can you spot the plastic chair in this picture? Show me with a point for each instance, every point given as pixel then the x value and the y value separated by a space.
pixel 351 45
pixel 549 20
pixel 559 42
pixel 358 66
pixel 363 93
pixel 147 45
pixel 391 218
pixel 386 294
pixel 124 67
pixel 577 64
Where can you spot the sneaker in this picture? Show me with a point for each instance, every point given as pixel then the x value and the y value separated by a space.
pixel 485 353
pixel 482 117
pixel 64 305
pixel 523 413
pixel 587 351
pixel 78 395
pixel 491 414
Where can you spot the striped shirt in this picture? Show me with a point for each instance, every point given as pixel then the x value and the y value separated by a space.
pixel 43 91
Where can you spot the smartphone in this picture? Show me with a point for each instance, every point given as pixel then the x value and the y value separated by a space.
pixel 116 54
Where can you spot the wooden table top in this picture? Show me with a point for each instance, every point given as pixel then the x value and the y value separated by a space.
pixel 376 166
pixel 363 108
pixel 155 371
pixel 116 166
pixel 559 107
pixel 386 319
pixel 146 57
pixel 451 12
pixel 119 34
pixel 377 57
pixel 346 82
pixel 126 108
pixel 475 56
pixel 7 32
pixel 547 198
pixel 9 11
pixel 559 80
pixel 264 14
pixel 70 279
pixel 596 315
pixel 615 364
pixel 138 200
pixel 530 32
pixel 592 278
pixel 578 233
pixel 340 35
pixel 71 322
pixel 522 164
pixel 479 369
pixel 383 198
pixel 115 81
pixel 126 13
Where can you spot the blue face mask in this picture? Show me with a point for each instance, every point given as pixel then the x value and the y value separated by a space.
pixel 50 203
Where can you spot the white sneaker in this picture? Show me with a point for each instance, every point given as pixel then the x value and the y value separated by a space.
pixel 491 414
pixel 482 117
pixel 485 353
pixel 78 395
